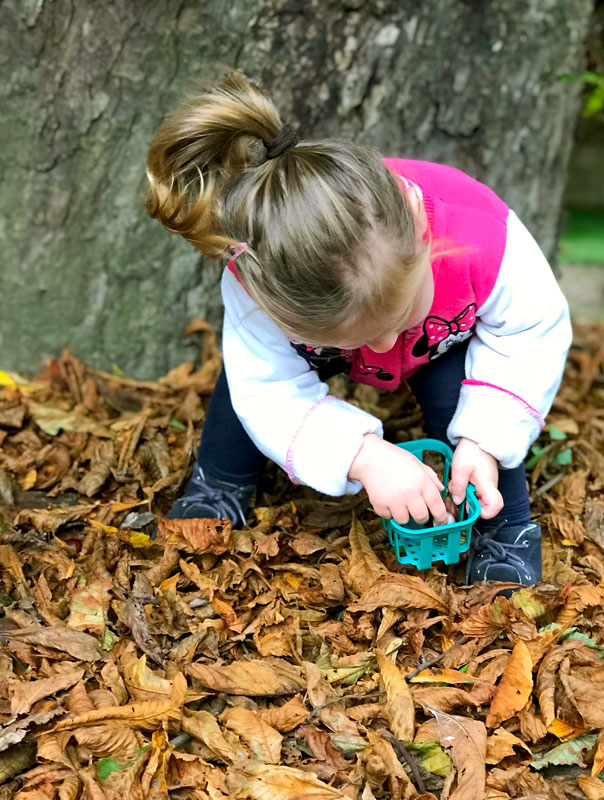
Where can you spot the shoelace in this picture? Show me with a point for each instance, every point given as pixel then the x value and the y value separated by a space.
pixel 221 500
pixel 497 552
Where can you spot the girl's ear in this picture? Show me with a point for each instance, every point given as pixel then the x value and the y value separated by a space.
pixel 420 348
pixel 418 211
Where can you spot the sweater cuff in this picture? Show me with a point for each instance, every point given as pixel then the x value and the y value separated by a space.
pixel 325 444
pixel 500 422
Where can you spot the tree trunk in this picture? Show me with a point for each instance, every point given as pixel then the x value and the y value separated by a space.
pixel 472 83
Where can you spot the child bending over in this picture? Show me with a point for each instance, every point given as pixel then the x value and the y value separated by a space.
pixel 387 269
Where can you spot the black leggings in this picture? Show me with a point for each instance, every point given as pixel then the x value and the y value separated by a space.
pixel 228 454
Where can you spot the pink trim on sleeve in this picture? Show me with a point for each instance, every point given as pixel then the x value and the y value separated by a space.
pixel 532 411
pixel 289 459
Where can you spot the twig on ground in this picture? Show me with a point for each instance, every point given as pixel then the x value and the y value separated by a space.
pixel 372 696
pixel 545 487
pixel 405 756
pixel 430 662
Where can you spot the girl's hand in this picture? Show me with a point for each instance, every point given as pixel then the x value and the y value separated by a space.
pixel 473 465
pixel 399 486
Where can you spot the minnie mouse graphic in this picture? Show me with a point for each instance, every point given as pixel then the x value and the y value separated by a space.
pixel 440 335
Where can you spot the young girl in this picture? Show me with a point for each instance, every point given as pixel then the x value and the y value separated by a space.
pixel 388 269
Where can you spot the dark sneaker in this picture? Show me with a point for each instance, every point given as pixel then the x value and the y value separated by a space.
pixel 212 499
pixel 511 554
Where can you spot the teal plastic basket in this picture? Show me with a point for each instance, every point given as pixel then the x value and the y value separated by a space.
pixel 421 546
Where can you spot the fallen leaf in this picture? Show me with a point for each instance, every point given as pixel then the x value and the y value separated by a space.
pixel 263 741
pixel 398 591
pixel 592 788
pixel 364 567
pixel 195 535
pixel 23 694
pixel 267 782
pixel 80 645
pixel 204 727
pixel 271 676
pixel 599 756
pixel 465 740
pixel 399 703
pixel 514 688
pixel 286 717
pixel 571 752
pixel 503 744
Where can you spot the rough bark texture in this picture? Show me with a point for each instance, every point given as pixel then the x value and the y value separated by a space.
pixel 466 82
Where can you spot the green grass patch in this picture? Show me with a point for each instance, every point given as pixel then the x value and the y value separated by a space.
pixel 583 237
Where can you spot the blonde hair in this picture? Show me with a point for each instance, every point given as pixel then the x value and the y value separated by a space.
pixel 331 240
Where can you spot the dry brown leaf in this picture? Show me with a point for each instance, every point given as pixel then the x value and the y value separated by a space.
pixel 147 715
pixel 286 717
pixel 399 702
pixel 399 783
pixel 398 591
pixel 108 740
pixel 204 727
pixel 269 677
pixel 436 675
pixel 579 598
pixel 267 782
pixel 503 744
pixel 514 688
pixel 23 694
pixel 443 698
pixel 81 646
pixel 195 535
pixel 331 582
pixel 321 693
pixel 586 695
pixel 263 741
pixel 592 788
pixel 364 567
pixel 465 741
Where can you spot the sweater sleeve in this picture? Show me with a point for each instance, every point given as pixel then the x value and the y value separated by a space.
pixel 282 404
pixel 515 361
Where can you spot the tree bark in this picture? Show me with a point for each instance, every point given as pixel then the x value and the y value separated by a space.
pixel 472 83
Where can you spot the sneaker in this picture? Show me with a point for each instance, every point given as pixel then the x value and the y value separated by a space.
pixel 206 498
pixel 511 554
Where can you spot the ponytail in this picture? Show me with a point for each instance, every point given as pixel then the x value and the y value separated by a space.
pixel 199 150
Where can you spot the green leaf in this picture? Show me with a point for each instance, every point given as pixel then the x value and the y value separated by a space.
pixel 564 457
pixel 5 600
pixel 176 423
pixel 554 433
pixel 432 757
pixel 529 603
pixel 574 633
pixel 108 765
pixel 567 752
pixel 118 371
pixel 537 451
pixel 348 744
pixel 109 639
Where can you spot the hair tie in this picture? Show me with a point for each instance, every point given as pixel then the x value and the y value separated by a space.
pixel 284 140
pixel 236 252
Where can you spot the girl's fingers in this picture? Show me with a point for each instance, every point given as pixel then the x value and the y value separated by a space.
pixel 418 510
pixel 436 506
pixel 434 478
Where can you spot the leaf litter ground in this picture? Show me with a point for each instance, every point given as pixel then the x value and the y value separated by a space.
pixel 294 657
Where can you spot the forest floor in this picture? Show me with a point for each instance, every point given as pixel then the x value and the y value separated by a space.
pixel 294 657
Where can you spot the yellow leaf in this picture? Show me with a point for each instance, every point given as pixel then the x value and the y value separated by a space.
pixel 564 731
pixel 101 527
pixel 29 480
pixel 263 741
pixel 442 676
pixel 599 757
pixel 399 702
pixel 127 506
pixel 140 539
pixel 515 687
